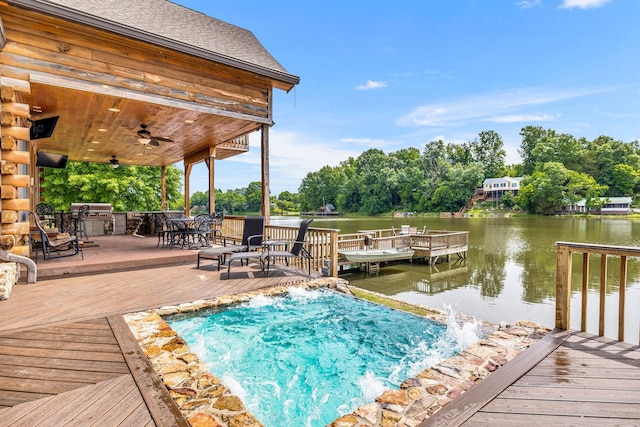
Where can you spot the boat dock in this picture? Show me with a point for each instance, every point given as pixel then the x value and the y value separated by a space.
pixel 371 247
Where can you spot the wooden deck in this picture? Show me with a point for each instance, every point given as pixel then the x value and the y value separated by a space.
pixel 67 357
pixel 568 378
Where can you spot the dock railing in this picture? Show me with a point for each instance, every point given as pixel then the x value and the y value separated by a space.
pixel 565 250
pixel 322 243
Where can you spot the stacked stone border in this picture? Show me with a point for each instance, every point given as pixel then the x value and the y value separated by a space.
pixel 205 401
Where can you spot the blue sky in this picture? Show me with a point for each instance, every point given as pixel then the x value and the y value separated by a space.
pixel 390 75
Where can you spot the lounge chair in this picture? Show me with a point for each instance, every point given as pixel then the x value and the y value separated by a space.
pixel 297 250
pixel 68 245
pixel 252 235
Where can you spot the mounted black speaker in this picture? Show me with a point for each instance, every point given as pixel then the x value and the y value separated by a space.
pixel 43 128
pixel 50 160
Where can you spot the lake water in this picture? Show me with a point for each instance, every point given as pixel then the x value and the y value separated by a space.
pixel 510 270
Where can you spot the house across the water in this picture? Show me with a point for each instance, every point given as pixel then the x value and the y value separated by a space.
pixel 611 206
pixel 495 188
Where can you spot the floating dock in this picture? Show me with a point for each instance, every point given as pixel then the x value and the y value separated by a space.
pixel 429 245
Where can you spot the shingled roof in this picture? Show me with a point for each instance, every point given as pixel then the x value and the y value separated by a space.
pixel 173 26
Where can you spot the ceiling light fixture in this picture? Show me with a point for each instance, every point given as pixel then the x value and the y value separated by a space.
pixel 114 110
pixel 114 162
pixel 144 136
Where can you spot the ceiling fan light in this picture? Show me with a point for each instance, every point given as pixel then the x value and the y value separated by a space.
pixel 144 141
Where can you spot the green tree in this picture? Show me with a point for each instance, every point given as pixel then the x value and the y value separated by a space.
pixel 454 192
pixel 508 200
pixel 531 135
pixel 488 150
pixel 253 196
pixel 554 186
pixel 127 188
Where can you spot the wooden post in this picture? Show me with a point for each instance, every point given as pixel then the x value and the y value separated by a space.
pixel 563 288
pixel 333 253
pixel 264 149
pixel 585 290
pixel 622 296
pixel 187 174
pixel 603 292
pixel 210 161
pixel 163 185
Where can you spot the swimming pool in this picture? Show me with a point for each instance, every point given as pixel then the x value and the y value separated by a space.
pixel 311 356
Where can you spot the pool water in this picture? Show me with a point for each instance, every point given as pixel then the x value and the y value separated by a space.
pixel 309 357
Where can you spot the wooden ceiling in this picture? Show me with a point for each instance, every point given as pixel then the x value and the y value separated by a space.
pixel 90 129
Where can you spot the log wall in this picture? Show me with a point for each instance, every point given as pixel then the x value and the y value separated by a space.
pixel 14 235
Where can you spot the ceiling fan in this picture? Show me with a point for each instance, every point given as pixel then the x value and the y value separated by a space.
pixel 145 137
pixel 114 162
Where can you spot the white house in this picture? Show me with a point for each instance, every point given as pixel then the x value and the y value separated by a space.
pixel 612 206
pixel 495 188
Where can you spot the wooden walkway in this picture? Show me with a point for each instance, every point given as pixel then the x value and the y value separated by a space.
pixel 567 378
pixel 68 358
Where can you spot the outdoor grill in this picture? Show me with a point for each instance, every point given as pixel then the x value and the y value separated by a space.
pixel 99 219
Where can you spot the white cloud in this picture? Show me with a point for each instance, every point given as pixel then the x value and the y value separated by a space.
pixel 517 118
pixel 367 142
pixel 372 85
pixel 583 4
pixel 487 106
pixel 528 4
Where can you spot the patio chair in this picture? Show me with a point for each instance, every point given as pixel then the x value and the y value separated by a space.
pixel 162 229
pixel 297 250
pixel 217 226
pixel 198 234
pixel 79 227
pixel 178 228
pixel 46 214
pixel 59 247
pixel 252 236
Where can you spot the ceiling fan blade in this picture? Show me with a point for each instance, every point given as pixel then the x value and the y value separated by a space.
pixel 154 142
pixel 160 138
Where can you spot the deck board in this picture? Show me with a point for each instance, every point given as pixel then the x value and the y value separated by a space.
pixel 578 379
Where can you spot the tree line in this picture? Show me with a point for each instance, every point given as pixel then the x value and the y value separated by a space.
pixel 558 169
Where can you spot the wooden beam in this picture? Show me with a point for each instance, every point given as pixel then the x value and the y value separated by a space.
pixel 212 192
pixel 18 85
pixel 264 155
pixel 16 132
pixel 17 180
pixel 187 174
pixel 3 36
pixel 19 157
pixel 199 156
pixel 157 96
pixel 17 109
pixel 163 185
pixel 16 205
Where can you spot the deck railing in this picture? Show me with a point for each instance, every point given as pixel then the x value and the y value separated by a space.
pixel 563 283
pixel 320 242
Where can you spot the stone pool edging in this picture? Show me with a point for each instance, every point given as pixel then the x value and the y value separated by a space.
pixel 206 402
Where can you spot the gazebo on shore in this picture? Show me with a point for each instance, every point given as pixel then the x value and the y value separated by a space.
pixel 140 82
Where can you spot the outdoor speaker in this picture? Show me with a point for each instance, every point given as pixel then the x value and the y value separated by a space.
pixel 43 128
pixel 50 160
